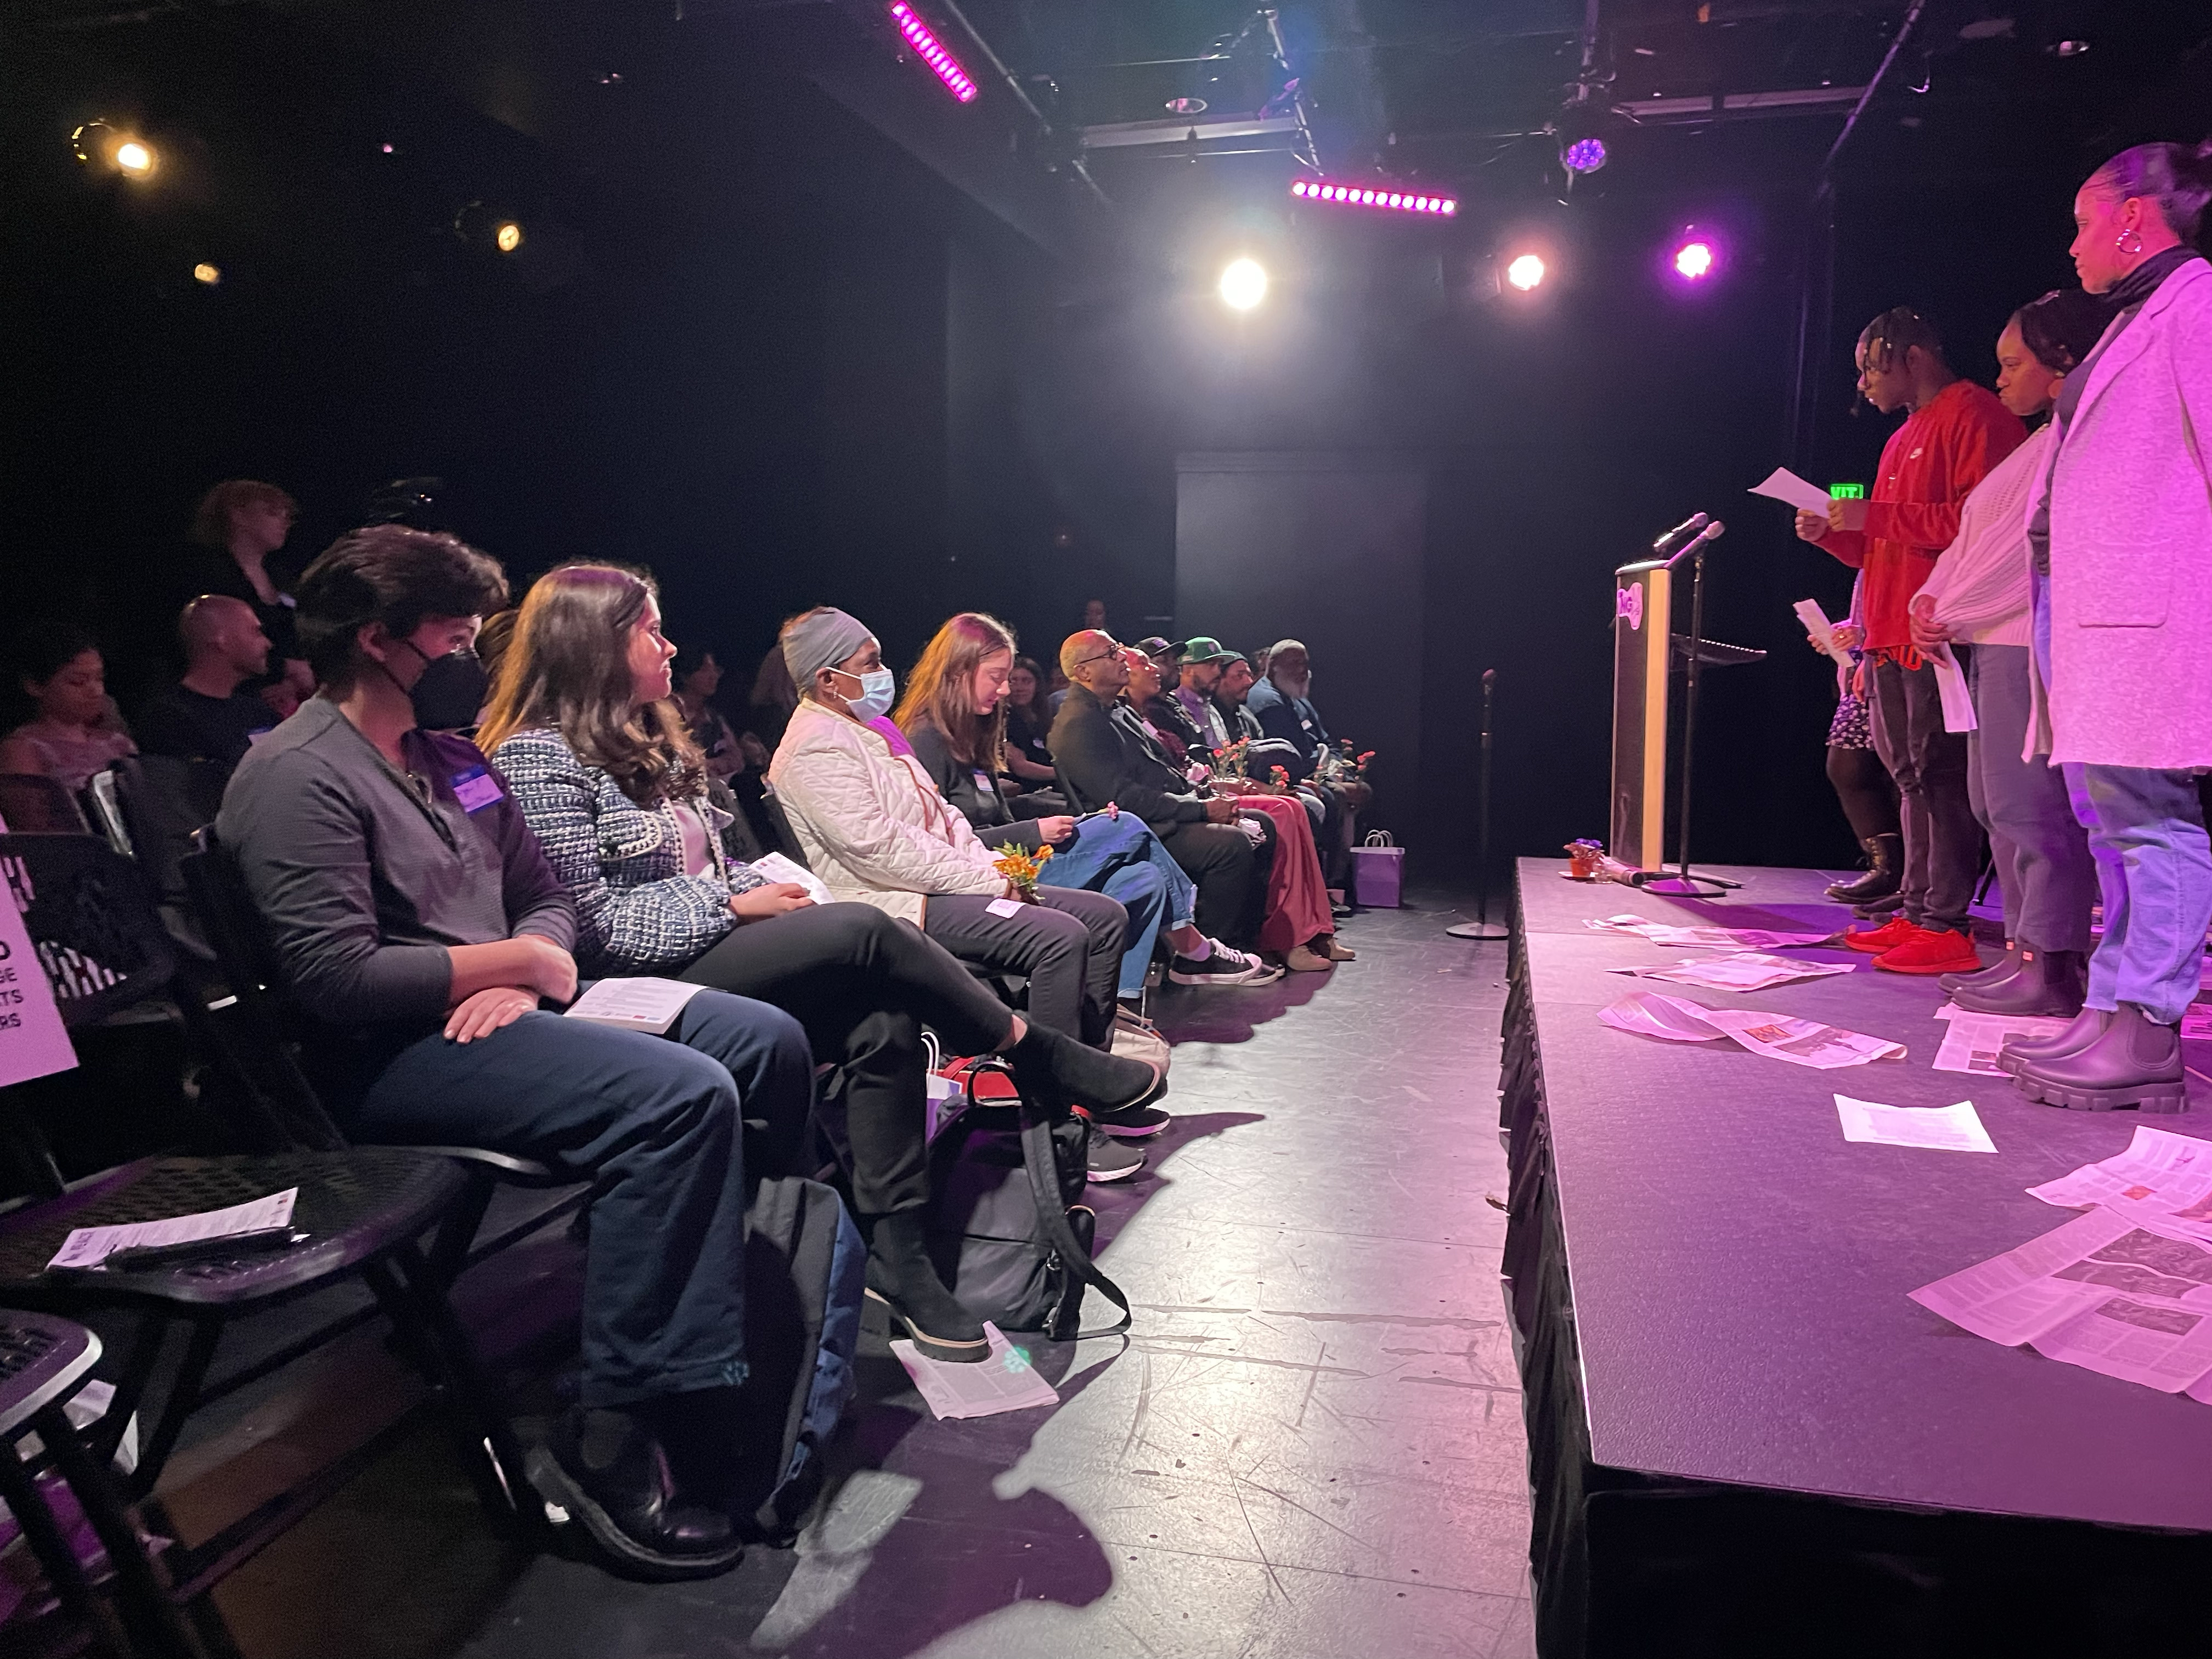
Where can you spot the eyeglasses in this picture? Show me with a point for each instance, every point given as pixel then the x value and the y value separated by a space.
pixel 1104 656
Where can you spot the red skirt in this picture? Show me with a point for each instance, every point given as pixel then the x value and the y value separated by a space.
pixel 1297 897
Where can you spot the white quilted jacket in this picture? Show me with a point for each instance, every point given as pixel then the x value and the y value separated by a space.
pixel 871 822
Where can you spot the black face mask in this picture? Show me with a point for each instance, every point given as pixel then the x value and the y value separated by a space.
pixel 449 692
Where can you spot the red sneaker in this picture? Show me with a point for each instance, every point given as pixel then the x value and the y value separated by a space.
pixel 1875 940
pixel 1929 952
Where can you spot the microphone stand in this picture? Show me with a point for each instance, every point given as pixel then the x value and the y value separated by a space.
pixel 1682 884
pixel 1479 927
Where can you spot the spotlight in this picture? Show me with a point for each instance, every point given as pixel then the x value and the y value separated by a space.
pixel 941 62
pixel 1525 272
pixel 1243 284
pixel 1583 155
pixel 208 274
pixel 1399 201
pixel 508 237
pixel 97 144
pixel 1694 260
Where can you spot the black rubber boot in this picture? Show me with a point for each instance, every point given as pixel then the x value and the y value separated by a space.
pixel 1059 1070
pixel 1982 978
pixel 1884 876
pixel 2089 1025
pixel 2050 985
pixel 606 1470
pixel 904 1281
pixel 2136 1062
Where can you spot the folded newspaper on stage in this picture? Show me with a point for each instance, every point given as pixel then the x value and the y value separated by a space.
pixel 1973 1041
pixel 1745 970
pixel 1800 1042
pixel 1729 938
pixel 2106 1291
pixel 2163 1178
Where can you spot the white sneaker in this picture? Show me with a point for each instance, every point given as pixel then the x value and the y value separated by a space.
pixel 1224 967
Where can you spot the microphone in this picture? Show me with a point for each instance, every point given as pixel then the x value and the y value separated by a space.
pixel 1696 521
pixel 1489 678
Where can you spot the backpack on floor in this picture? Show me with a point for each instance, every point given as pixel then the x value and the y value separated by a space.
pixel 1006 1231
pixel 804 1263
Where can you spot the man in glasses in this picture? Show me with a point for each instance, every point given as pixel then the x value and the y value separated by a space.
pixel 1101 761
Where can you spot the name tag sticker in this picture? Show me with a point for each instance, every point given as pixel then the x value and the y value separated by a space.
pixel 1004 907
pixel 983 781
pixel 476 789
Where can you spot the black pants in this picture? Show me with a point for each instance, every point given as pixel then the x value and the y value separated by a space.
pixel 1219 858
pixel 862 984
pixel 1864 791
pixel 1942 842
pixel 1068 944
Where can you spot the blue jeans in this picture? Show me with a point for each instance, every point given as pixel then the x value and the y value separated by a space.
pixel 658 1124
pixel 1122 858
pixel 2154 866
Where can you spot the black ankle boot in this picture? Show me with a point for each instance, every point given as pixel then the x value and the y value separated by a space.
pixel 2050 985
pixel 1057 1070
pixel 607 1469
pixel 1983 978
pixel 2136 1062
pixel 1884 876
pixel 902 1277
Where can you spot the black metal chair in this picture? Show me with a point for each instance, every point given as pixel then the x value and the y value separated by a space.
pixel 33 805
pixel 364 1211
pixel 44 1363
pixel 254 1029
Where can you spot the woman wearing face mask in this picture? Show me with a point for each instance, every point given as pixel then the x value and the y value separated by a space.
pixel 1980 595
pixel 585 731
pixel 875 827
pixel 2121 530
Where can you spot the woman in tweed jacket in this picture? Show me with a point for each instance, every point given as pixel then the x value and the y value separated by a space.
pixel 583 730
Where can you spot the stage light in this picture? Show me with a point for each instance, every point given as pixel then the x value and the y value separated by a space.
pixel 1243 284
pixel 1398 201
pixel 1525 272
pixel 1583 155
pixel 134 157
pixel 1694 260
pixel 206 273
pixel 98 143
pixel 508 237
pixel 942 63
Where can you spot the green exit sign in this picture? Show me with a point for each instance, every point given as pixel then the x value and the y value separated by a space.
pixel 1847 492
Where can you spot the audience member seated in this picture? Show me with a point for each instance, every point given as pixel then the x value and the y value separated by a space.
pixel 584 731
pixel 74 732
pixel 240 525
pixel 419 930
pixel 770 702
pixel 1282 701
pixel 1262 754
pixel 1109 759
pixel 1298 925
pixel 698 678
pixel 1170 724
pixel 1200 663
pixel 952 714
pixel 204 716
pixel 875 828
pixel 1028 726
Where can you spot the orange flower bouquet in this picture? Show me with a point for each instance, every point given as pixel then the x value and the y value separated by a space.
pixel 1021 868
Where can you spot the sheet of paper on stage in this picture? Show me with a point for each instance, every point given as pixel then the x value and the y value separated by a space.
pixel 1783 485
pixel 2197 1022
pixel 88 1247
pixel 1822 631
pixel 1726 939
pixel 1973 1041
pixel 1798 1041
pixel 2162 1176
pixel 1649 1014
pixel 1004 1383
pixel 776 867
pixel 1747 971
pixel 643 1004
pixel 1951 689
pixel 1938 1128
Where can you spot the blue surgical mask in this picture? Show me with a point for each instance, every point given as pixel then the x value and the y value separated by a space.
pixel 877 689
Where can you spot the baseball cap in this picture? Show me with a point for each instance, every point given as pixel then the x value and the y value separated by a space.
pixel 1205 647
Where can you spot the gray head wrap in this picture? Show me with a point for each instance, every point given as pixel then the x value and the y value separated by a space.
pixel 818 641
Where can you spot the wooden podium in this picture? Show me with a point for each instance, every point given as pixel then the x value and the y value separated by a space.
pixel 1642 647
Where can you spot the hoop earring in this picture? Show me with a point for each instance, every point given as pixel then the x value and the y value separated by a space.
pixel 2120 242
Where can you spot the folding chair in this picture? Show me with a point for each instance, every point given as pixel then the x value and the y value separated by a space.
pixel 33 805
pixel 363 1212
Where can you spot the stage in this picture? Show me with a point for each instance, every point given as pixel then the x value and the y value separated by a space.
pixel 1743 1438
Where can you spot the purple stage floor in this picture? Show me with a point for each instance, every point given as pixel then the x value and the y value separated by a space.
pixel 1738 1272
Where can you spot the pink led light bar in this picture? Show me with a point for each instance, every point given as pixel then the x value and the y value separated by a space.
pixel 1396 201
pixel 941 62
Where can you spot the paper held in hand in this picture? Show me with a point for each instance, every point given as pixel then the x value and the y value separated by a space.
pixel 1785 486
pixel 88 1247
pixel 645 1005
pixel 776 867
pixel 1799 1042
pixel 2103 1292
pixel 1822 631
